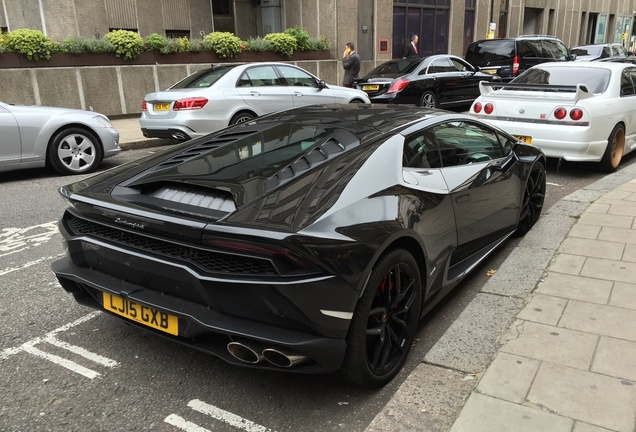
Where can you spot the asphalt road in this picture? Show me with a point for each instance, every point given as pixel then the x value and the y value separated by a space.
pixel 69 368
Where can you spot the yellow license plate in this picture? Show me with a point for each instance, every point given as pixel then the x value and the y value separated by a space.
pixel 161 106
pixel 371 87
pixel 141 314
pixel 523 138
pixel 489 71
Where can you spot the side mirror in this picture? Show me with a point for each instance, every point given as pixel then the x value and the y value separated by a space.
pixel 322 84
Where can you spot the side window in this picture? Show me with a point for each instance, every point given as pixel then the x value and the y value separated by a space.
pixel 296 77
pixel 461 66
pixel 440 65
pixel 258 76
pixel 530 49
pixel 554 49
pixel 627 85
pixel 465 142
pixel 421 151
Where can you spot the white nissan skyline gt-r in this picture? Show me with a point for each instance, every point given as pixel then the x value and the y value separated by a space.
pixel 577 111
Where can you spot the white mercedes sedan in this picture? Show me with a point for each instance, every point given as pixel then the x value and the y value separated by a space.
pixel 577 111
pixel 226 94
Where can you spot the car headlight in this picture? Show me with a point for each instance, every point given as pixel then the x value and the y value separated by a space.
pixel 103 121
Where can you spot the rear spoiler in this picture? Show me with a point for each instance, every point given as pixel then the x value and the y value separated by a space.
pixel 580 90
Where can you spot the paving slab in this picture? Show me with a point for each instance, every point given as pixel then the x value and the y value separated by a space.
pixel 487 414
pixel 607 220
pixel 509 377
pixel 584 427
pixel 623 295
pixel 585 231
pixel 620 271
pixel 567 263
pixel 615 357
pixel 599 319
pixel 592 248
pixel 595 399
pixel 576 287
pixel 543 309
pixel 553 344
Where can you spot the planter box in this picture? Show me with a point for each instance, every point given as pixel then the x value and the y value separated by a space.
pixel 14 60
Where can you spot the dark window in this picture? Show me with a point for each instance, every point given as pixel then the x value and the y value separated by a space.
pixel 297 77
pixel 220 7
pixel 177 33
pixel 484 52
pixel 421 151
pixel 627 86
pixel 469 23
pixel 259 76
pixel 426 18
pixel 441 65
pixel 462 143
pixel 203 78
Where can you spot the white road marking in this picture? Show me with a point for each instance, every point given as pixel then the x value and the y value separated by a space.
pixel 552 184
pixel 68 364
pixel 50 338
pixel 13 240
pixel 216 413
pixel 183 424
pixel 27 265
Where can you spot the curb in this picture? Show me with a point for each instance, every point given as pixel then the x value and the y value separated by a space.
pixel 146 143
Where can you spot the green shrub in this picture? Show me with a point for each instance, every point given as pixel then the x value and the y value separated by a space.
pixel 86 46
pixel 32 43
pixel 154 42
pixel 128 44
pixel 258 44
pixel 301 36
pixel 196 45
pixel 224 44
pixel 321 43
pixel 176 45
pixel 283 43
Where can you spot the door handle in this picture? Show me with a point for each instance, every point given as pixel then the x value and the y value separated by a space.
pixel 255 93
pixel 298 94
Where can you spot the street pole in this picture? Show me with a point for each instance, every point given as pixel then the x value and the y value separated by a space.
pixel 491 26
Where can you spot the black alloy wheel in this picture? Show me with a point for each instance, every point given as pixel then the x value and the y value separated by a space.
pixel 429 100
pixel 385 321
pixel 533 198
pixel 241 118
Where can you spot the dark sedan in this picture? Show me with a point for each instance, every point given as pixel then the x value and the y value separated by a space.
pixel 603 52
pixel 438 81
pixel 310 240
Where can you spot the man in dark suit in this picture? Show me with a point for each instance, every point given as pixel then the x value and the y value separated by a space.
pixel 351 64
pixel 411 48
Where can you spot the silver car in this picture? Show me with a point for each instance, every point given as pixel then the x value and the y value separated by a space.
pixel 68 140
pixel 223 95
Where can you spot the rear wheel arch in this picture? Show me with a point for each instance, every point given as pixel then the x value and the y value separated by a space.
pixel 244 112
pixel 356 100
pixel 612 156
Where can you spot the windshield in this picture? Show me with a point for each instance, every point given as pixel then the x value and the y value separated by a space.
pixel 595 79
pixel 203 78
pixel 591 50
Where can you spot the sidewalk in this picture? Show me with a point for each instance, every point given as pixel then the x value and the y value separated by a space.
pixel 550 342
pixel 130 136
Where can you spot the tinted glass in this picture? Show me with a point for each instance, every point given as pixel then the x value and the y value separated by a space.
pixel 396 67
pixel 464 142
pixel 588 50
pixel 421 151
pixel 483 52
pixel 258 77
pixel 554 49
pixel 595 79
pixel 203 78
pixel 297 77
pixel 627 87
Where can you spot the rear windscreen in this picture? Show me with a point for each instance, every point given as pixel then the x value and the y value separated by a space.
pixel 485 52
pixel 203 78
pixel 595 79
pixel 588 50
pixel 396 67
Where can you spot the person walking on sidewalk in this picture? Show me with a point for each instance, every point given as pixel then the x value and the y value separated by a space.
pixel 351 64
pixel 411 48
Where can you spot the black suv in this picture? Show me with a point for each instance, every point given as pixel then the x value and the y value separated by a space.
pixel 510 57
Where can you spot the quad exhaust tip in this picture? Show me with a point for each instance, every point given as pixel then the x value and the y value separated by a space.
pixel 255 352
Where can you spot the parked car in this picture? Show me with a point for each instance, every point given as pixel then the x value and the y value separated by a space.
pixel 510 57
pixel 438 81
pixel 578 111
pixel 603 52
pixel 68 140
pixel 308 240
pixel 223 95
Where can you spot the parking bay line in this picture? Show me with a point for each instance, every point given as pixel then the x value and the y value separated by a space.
pixel 50 338
pixel 216 413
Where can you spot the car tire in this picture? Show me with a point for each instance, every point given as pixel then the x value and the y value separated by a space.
pixel 241 117
pixel 614 151
pixel 429 100
pixel 533 199
pixel 74 151
pixel 357 101
pixel 384 325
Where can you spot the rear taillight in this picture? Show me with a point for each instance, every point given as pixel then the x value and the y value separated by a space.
pixel 477 108
pixel 190 104
pixel 515 65
pixel 489 108
pixel 560 113
pixel 398 85
pixel 144 107
pixel 576 114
